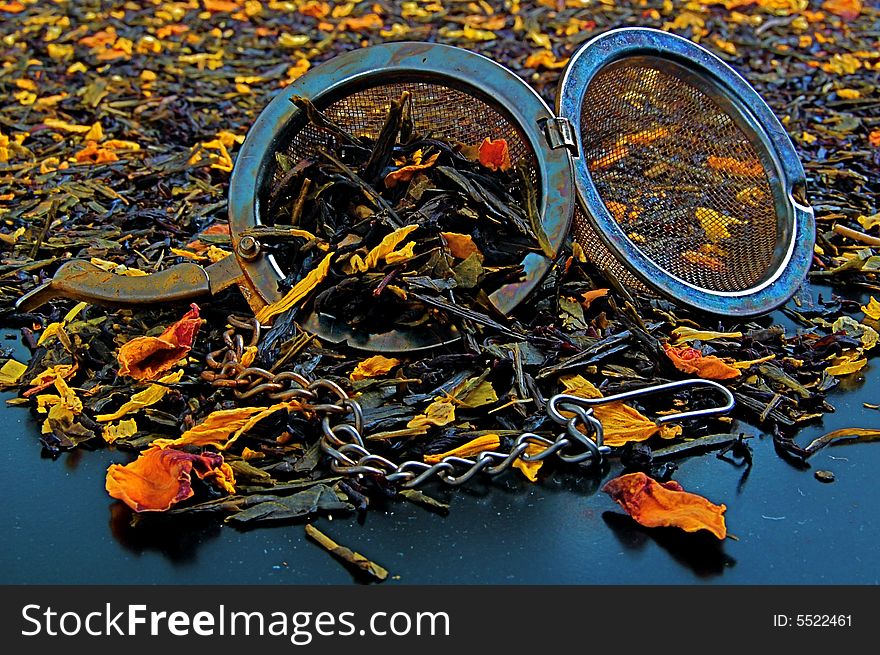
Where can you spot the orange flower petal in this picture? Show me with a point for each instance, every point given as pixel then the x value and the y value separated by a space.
pixel 590 296
pixel 144 358
pixel 406 173
pixel 461 246
pixel 161 477
pixel 846 9
pixel 654 504
pixel 691 360
pixel 495 155
pixel 373 367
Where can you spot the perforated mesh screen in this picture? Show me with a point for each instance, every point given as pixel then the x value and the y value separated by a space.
pixel 679 176
pixel 438 110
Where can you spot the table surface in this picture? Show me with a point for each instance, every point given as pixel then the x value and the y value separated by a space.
pixel 786 527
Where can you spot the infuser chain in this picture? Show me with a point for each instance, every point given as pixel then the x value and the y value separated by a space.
pixel 581 440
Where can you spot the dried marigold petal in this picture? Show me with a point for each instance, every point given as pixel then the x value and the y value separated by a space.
pixel 872 309
pixel 461 246
pixel 406 173
pixel 495 155
pixel 655 504
pixel 733 166
pixel 373 367
pixel 545 59
pixel 846 9
pixel 590 296
pixel 299 291
pixel 11 372
pixel 620 422
pixel 530 469
pixel 356 264
pixel 440 412
pixel 474 447
pixel 161 477
pixel 144 358
pixel 149 396
pixel 691 360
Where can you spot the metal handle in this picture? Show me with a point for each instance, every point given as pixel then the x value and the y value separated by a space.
pixel 81 280
pixel 579 401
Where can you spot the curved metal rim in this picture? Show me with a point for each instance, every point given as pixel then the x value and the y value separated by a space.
pixel 376 65
pixel 796 254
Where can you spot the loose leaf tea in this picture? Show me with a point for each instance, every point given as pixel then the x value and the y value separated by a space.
pixel 394 215
pixel 122 126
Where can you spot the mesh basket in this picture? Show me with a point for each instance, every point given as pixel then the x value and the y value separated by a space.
pixel 687 181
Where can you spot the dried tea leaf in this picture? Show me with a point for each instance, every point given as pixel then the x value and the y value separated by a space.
pixel 350 557
pixel 845 434
pixel 319 498
pixel 160 478
pixel 687 334
pixel 420 498
pixel 655 504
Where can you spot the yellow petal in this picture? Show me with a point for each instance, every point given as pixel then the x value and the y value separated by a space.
pixel 385 247
pixel 482 394
pixel 440 412
pixel 872 309
pixel 149 396
pixel 846 364
pixel 11 372
pixel 215 429
pixel 461 246
pixel 403 254
pixel 687 334
pixel 530 469
pixel 373 367
pixel 621 423
pixel 714 223
pixel 124 428
pixel 299 291
pixel 471 448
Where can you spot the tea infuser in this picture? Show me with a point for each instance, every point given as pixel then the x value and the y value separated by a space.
pixel 664 164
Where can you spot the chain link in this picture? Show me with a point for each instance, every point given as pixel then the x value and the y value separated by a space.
pixel 342 424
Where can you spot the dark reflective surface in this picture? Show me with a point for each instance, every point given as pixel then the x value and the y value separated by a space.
pixel 786 526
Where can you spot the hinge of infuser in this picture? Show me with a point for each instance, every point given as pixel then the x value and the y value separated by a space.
pixel 560 134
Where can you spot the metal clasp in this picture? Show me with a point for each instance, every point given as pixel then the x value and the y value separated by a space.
pixel 560 134
pixel 582 408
